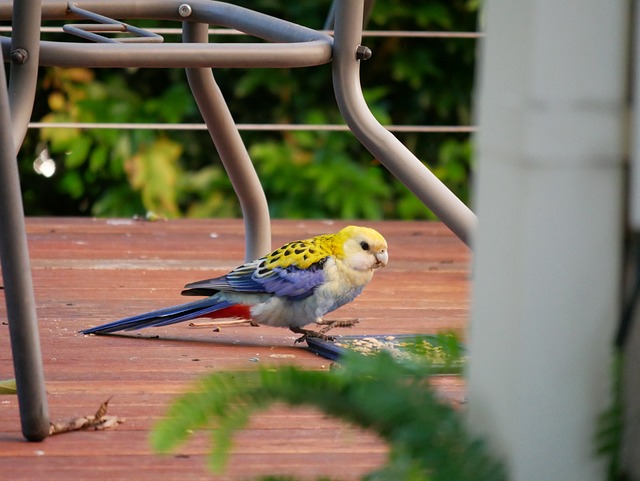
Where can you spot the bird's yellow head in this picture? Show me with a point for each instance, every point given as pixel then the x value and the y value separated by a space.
pixel 362 248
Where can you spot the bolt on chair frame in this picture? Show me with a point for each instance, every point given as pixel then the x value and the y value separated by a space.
pixel 290 45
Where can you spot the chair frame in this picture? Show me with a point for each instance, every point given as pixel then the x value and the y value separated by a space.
pixel 290 45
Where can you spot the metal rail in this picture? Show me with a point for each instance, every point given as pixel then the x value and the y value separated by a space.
pixel 424 129
pixel 365 33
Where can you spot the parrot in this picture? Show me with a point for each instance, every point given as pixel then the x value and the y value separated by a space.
pixel 292 287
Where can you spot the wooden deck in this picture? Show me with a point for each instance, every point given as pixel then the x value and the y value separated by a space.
pixel 89 271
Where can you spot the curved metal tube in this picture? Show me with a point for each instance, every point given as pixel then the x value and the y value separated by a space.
pixel 23 76
pixel 203 11
pixel 295 45
pixel 180 55
pixel 233 153
pixel 18 287
pixel 379 141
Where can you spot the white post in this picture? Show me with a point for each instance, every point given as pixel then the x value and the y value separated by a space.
pixel 548 247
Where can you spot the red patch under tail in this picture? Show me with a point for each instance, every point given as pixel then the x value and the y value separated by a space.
pixel 236 311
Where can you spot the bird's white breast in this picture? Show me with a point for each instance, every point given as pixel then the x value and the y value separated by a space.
pixel 342 285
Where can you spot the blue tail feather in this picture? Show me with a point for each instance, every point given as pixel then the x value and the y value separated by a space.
pixel 162 317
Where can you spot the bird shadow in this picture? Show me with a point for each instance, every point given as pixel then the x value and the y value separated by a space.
pixel 221 339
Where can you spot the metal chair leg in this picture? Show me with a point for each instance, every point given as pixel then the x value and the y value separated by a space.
pixel 25 55
pixel 379 141
pixel 233 153
pixel 18 286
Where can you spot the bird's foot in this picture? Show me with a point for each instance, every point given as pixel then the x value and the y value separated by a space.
pixel 308 333
pixel 322 333
pixel 328 325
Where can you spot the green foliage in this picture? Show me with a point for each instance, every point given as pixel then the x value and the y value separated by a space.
pixel 93 164
pixel 8 386
pixel 610 425
pixel 426 437
pixel 304 174
pixel 307 182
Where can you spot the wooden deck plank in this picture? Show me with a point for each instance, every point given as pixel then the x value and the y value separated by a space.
pixel 90 271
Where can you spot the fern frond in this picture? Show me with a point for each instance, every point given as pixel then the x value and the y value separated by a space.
pixel 427 438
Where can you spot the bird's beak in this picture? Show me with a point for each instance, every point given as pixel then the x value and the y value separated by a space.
pixel 382 257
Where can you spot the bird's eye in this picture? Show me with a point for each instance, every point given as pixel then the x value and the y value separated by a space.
pixel 364 245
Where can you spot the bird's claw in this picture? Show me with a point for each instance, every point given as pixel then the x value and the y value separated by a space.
pixel 321 334
pixel 307 333
pixel 328 325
